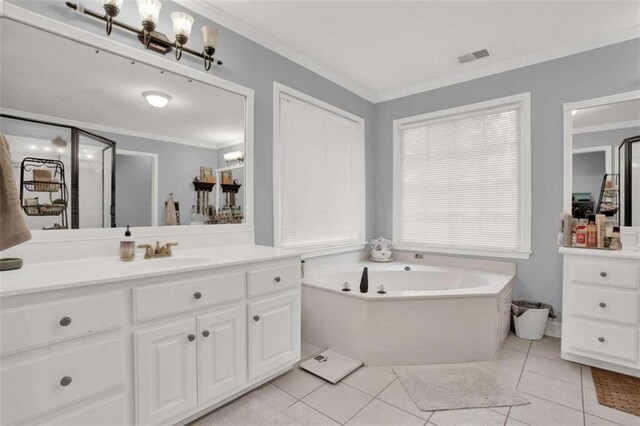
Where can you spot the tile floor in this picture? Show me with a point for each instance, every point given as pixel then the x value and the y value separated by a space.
pixel 560 392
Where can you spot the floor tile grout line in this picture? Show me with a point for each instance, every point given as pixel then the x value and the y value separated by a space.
pixel 316 410
pixel 584 416
pixel 506 419
pixel 400 408
pixel 523 365
pixel 553 402
pixel 357 412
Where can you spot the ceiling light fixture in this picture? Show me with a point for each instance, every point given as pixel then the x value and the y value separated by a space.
pixel 156 99
pixel 149 12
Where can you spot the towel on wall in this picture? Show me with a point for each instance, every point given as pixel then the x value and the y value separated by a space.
pixel 170 216
pixel 13 227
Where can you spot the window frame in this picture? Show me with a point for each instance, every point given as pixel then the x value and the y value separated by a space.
pixel 523 100
pixel 320 249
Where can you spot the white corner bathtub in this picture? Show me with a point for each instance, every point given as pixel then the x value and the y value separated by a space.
pixel 429 315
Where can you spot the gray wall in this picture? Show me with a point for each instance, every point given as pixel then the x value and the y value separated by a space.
pixel 250 65
pixel 133 190
pixel 588 170
pixel 599 72
pixel 178 164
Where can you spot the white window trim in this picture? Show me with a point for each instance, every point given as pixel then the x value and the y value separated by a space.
pixel 278 90
pixel 524 101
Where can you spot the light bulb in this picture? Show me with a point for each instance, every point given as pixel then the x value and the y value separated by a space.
pixel 210 36
pixel 149 10
pixel 182 24
pixel 157 99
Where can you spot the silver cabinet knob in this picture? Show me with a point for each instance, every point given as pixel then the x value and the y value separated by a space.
pixel 601 339
pixel 66 381
pixel 65 321
pixel 191 337
pixel 603 274
pixel 205 333
pixel 602 305
pixel 277 279
pixel 197 295
pixel 256 318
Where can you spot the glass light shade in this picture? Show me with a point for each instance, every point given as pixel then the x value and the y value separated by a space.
pixel 210 36
pixel 115 3
pixel 156 99
pixel 182 23
pixel 149 10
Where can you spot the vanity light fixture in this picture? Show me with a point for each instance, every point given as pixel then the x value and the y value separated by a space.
pixel 156 99
pixel 149 11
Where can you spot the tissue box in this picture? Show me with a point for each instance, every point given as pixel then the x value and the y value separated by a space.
pixel 630 237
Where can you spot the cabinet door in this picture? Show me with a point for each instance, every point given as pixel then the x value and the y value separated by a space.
pixel 222 353
pixel 166 381
pixel 274 334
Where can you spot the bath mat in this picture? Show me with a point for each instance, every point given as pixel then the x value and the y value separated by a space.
pixel 458 386
pixel 617 390
pixel 331 366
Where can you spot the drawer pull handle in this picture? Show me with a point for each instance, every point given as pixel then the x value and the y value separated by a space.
pixel 603 305
pixel 256 318
pixel 277 279
pixel 205 333
pixel 197 295
pixel 191 337
pixel 65 321
pixel 603 274
pixel 66 381
pixel 601 339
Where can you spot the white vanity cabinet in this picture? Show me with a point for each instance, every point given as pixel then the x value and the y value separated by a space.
pixel 159 349
pixel 601 309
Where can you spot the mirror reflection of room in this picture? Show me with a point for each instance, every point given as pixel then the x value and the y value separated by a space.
pixel 101 141
pixel 605 163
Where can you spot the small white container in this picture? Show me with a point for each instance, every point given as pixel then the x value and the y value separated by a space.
pixel 532 324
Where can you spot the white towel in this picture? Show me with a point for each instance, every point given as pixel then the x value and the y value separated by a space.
pixel 13 227
pixel 170 217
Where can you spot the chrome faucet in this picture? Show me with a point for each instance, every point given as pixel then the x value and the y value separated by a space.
pixel 158 251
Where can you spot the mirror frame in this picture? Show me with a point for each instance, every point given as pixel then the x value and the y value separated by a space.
pixel 26 17
pixel 568 136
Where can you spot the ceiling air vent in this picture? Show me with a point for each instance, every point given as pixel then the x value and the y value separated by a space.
pixel 473 56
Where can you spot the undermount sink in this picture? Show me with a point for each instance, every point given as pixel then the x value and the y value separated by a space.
pixel 169 262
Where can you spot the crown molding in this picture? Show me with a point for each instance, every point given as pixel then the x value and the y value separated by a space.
pixel 214 13
pixel 548 55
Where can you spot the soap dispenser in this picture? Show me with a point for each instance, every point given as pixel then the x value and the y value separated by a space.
pixel 364 280
pixel 127 247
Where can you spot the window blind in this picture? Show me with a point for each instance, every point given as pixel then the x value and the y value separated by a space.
pixel 459 181
pixel 321 176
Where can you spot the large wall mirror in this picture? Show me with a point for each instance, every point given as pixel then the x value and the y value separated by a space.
pixel 100 140
pixel 604 138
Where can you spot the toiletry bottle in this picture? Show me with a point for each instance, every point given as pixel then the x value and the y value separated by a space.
pixel 592 235
pixel 616 244
pixel 581 236
pixel 127 247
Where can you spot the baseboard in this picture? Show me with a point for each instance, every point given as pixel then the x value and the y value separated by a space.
pixel 554 328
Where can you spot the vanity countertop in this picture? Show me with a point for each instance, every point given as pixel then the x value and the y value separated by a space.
pixel 38 277
pixel 619 254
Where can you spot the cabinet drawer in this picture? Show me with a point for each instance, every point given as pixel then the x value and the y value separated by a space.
pixel 612 274
pixel 603 341
pixel 39 386
pixel 271 280
pixel 109 412
pixel 605 304
pixel 36 325
pixel 159 300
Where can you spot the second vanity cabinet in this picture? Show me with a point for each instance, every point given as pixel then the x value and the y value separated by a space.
pixel 154 350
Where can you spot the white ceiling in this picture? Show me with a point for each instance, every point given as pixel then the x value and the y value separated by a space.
pixel 386 49
pixel 102 91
